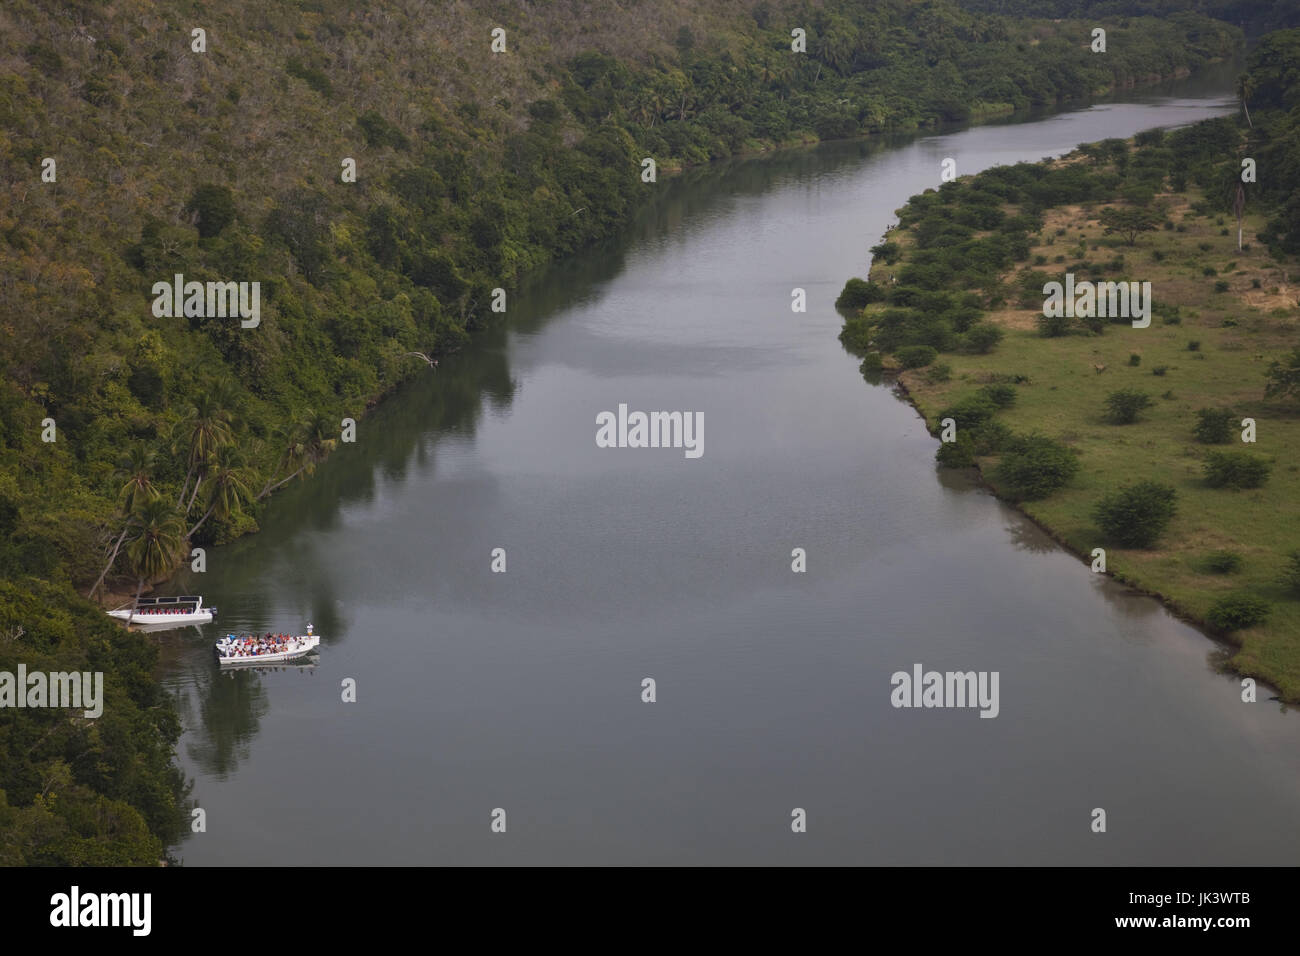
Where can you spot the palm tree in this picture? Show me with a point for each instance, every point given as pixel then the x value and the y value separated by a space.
pixel 136 466
pixel 205 427
pixel 227 397
pixel 644 107
pixel 156 543
pixel 1245 87
pixel 307 443
pixel 228 491
pixel 837 49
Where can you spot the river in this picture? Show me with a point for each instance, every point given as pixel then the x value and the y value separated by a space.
pixel 523 690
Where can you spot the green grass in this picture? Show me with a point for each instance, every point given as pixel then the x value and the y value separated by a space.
pixel 1065 400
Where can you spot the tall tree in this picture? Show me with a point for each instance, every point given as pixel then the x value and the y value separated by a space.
pixel 1245 87
pixel 228 489
pixel 137 467
pixel 205 427
pixel 156 542
pixel 307 443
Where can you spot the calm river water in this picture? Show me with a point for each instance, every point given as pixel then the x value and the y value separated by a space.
pixel 523 690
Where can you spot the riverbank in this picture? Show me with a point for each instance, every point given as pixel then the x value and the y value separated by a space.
pixel 380 203
pixel 1221 315
pixel 493 679
pixel 246 523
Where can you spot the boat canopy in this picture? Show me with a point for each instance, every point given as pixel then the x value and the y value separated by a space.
pixel 169 601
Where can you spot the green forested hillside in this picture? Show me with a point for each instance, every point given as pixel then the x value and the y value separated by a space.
pixel 1258 16
pixel 472 167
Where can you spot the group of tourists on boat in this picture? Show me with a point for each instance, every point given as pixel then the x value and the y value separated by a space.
pixel 168 609
pixel 251 645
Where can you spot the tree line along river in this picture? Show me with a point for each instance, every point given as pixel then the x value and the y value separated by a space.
pixel 523 691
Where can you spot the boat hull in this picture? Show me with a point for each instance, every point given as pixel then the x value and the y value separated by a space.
pixel 182 610
pixel 298 647
pixel 174 620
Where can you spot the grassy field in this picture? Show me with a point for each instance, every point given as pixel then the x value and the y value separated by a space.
pixel 1239 332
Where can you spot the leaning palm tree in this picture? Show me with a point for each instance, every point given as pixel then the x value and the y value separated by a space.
pixel 156 542
pixel 228 489
pixel 205 427
pixel 136 466
pixel 293 450
pixel 307 443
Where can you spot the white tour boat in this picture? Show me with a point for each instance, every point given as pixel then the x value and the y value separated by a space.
pixel 175 611
pixel 234 650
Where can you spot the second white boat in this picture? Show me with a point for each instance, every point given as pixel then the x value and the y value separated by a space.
pixel 233 650
pixel 175 611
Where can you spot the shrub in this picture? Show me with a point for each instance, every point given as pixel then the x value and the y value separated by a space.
pixel 214 208
pixel 856 335
pixel 916 356
pixel 1136 515
pixel 981 338
pixel 886 252
pixel 1053 326
pixel 1223 562
pixel 1134 359
pixel 858 293
pixel 1237 611
pixel 1194 345
pixel 379 132
pixel 1123 405
pixel 970 412
pixel 991 437
pixel 1291 571
pixel 312 76
pixel 1001 395
pixel 1169 314
pixel 1235 469
pixel 1160 370
pixel 939 372
pixel 1034 467
pixel 1215 426
pixel 1221 286
pixel 956 454
pixel 1209 271
pixel 1283 376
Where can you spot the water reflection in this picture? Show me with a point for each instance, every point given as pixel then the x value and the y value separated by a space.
pixel 229 712
pixel 1027 536
pixel 389 564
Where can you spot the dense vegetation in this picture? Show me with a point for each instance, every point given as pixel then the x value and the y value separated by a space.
pixel 1110 437
pixel 1257 16
pixel 224 160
